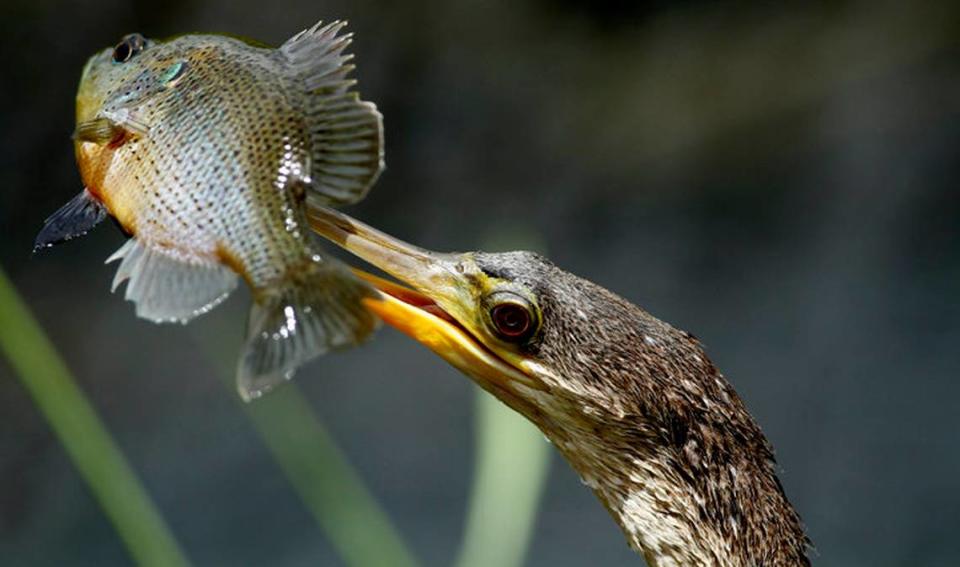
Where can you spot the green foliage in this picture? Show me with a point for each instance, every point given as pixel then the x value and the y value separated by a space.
pixel 88 443
pixel 512 462
pixel 328 486
pixel 510 468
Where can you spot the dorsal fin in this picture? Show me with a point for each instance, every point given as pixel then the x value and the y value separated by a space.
pixel 346 133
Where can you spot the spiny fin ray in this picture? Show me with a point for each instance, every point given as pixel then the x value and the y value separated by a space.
pixel 341 127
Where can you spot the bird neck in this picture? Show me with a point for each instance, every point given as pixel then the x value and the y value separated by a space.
pixel 659 514
pixel 656 511
pixel 652 426
pixel 728 509
pixel 731 518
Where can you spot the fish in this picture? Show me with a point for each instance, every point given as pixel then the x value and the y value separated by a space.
pixel 207 151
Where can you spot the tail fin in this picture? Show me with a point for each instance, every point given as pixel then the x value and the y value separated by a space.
pixel 301 320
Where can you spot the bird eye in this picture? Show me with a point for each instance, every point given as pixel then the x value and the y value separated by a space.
pixel 128 47
pixel 513 318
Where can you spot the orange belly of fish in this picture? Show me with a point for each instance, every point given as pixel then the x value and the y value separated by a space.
pixel 94 162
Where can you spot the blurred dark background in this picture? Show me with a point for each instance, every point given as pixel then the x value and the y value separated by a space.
pixel 779 179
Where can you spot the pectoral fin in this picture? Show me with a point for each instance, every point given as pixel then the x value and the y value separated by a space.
pixel 170 287
pixel 100 131
pixel 74 219
pixel 112 127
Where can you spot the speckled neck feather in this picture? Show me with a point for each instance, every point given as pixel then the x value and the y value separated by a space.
pixel 653 427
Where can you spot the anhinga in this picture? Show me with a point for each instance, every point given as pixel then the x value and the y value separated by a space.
pixel 633 404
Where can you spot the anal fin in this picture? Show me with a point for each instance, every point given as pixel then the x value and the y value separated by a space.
pixel 301 320
pixel 169 287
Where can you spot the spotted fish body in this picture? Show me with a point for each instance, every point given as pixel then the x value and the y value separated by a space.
pixel 208 150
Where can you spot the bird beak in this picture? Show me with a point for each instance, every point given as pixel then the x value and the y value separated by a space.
pixel 437 309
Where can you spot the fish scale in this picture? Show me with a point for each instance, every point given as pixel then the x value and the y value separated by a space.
pixel 208 150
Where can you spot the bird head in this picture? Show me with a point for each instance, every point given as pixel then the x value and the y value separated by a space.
pixel 634 404
pixel 504 319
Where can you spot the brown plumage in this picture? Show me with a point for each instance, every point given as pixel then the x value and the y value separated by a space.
pixel 634 405
pixel 639 408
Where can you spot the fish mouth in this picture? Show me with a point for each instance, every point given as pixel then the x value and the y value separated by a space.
pixel 434 305
pixel 91 91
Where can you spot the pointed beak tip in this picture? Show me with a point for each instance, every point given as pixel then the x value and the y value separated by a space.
pixel 408 263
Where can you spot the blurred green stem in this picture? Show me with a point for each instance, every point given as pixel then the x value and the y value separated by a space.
pixel 326 483
pixel 86 440
pixel 512 461
pixel 332 491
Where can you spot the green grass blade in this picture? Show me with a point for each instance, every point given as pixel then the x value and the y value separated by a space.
pixel 88 443
pixel 329 487
pixel 511 468
pixel 512 460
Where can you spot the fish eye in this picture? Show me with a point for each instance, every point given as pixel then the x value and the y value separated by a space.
pixel 512 317
pixel 128 47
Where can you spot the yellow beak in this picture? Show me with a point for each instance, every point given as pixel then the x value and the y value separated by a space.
pixel 438 312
